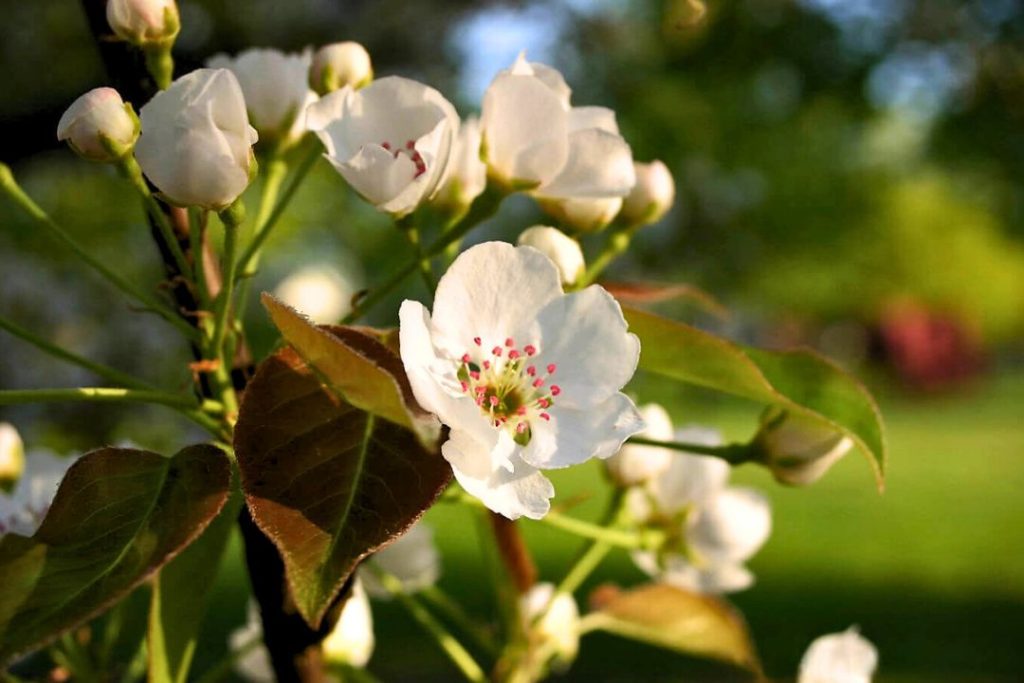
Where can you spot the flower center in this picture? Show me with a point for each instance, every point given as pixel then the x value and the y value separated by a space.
pixel 410 151
pixel 509 387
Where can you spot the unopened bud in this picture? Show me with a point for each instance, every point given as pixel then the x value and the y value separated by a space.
pixel 351 641
pixel 846 657
pixel 12 455
pixel 652 196
pixel 797 449
pixel 558 628
pixel 564 251
pixel 144 22
pixel 99 126
pixel 340 64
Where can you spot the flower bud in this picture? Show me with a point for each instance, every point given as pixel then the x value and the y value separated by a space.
pixel 652 196
pixel 559 626
pixel 846 657
pixel 635 464
pixel 319 292
pixel 196 141
pixel 413 559
pixel 583 214
pixel 798 449
pixel 340 64
pixel 99 125
pixel 144 22
pixel 564 251
pixel 351 641
pixel 12 454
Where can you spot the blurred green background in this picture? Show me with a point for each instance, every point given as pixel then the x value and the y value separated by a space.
pixel 849 177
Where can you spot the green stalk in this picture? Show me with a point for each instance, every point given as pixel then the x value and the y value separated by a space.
pixel 11 188
pixel 618 243
pixel 595 551
pixel 450 609
pixel 734 454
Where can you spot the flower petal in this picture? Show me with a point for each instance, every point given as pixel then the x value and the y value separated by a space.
pixel 690 478
pixel 599 164
pixel 602 118
pixel 574 436
pixel 730 526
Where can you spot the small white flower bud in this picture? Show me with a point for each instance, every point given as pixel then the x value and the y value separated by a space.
pixel 652 196
pixel 340 64
pixel 798 449
pixel 321 293
pixel 559 627
pixel 99 125
pixel 564 251
pixel 846 657
pixel 144 22
pixel 413 559
pixel 351 641
pixel 635 464
pixel 12 454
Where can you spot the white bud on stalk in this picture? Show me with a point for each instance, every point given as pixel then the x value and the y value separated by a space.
pixel 99 126
pixel 652 196
pixel 12 454
pixel 144 22
pixel 340 64
pixel 797 449
pixel 563 251
pixel 558 627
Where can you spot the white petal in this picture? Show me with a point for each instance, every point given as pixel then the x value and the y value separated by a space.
pixel 690 478
pixel 845 657
pixel 602 118
pixel 584 335
pixel 493 291
pixel 730 526
pixel 383 178
pixel 413 559
pixel 351 641
pixel 522 492
pixel 599 164
pixel 635 464
pixel 573 436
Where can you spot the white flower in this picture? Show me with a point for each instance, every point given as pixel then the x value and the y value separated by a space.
pixel 563 251
pixel 585 215
pixel 12 454
pixel 98 114
pixel 340 64
pixel 321 293
pixel 799 449
pixel 525 376
pixel 721 527
pixel 196 142
pixel 413 559
pixel 24 510
pixel 143 21
pixel 466 177
pixel 558 629
pixel 635 464
pixel 845 657
pixel 351 641
pixel 652 196
pixel 390 140
pixel 534 139
pixel 275 88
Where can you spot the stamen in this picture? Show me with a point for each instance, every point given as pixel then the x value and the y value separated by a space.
pixel 551 368
pixel 509 343
pixel 555 390
pixel 538 383
pixel 496 351
pixel 531 371
pixel 545 417
pixel 466 358
pixel 476 340
pixel 513 354
pixel 530 349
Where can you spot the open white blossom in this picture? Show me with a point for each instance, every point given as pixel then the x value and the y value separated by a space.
pixel 413 559
pixel 558 629
pixel 351 641
pixel 391 140
pixel 797 449
pixel 12 453
pixel 563 250
pixel 23 511
pixel 466 177
pixel 525 376
pixel 721 527
pixel 535 139
pixel 322 293
pixel 635 464
pixel 96 121
pixel 846 657
pixel 196 142
pixel 275 88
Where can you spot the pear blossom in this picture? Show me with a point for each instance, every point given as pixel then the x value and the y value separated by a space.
pixel 534 139
pixel 12 454
pixel 635 464
pixel 558 628
pixel 652 196
pixel 719 527
pixel 351 641
pixel 413 559
pixel 23 511
pixel 466 177
pixel 526 377
pixel 563 251
pixel 275 89
pixel 339 64
pixel 142 22
pixel 196 142
pixel 391 140
pixel 846 657
pixel 322 293
pixel 799 449
pixel 585 215
pixel 96 122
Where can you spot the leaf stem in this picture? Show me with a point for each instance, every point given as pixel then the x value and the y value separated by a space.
pixel 101 395
pixel 595 551
pixel 619 237
pixel 452 610
pixel 734 454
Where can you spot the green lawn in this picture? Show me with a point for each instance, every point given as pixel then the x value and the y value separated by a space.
pixel 932 571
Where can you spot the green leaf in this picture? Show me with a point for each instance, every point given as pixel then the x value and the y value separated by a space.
pixel 357 366
pixel 118 516
pixel 675 619
pixel 800 380
pixel 178 600
pixel 327 482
